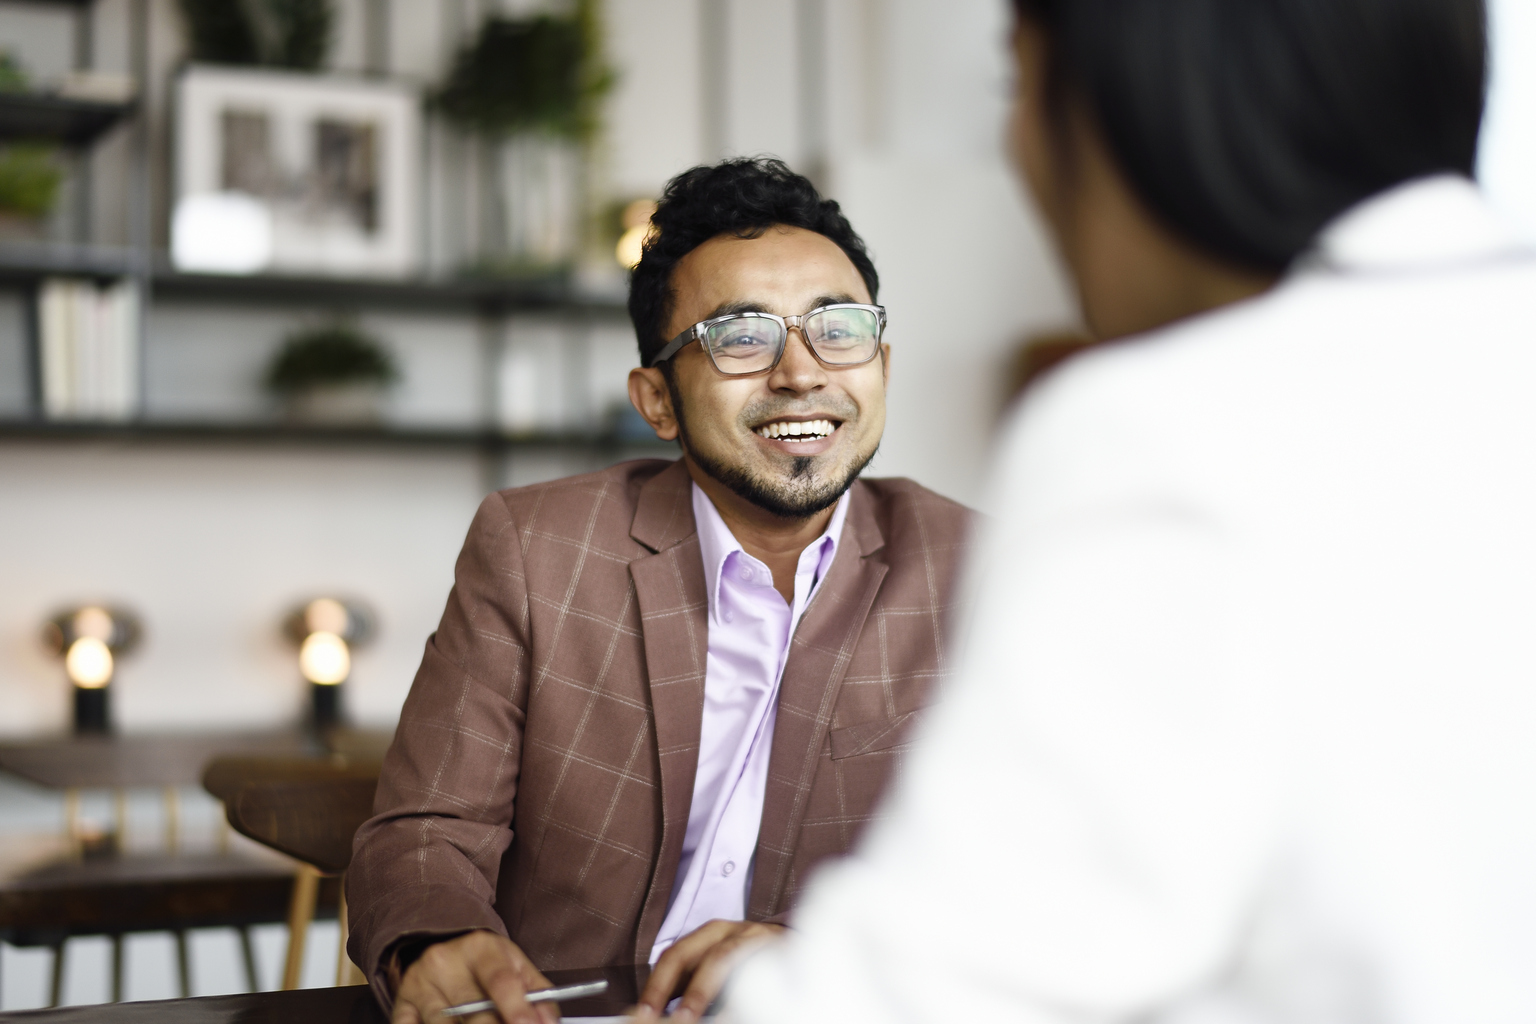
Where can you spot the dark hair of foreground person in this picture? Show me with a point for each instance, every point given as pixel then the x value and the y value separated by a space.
pixel 740 197
pixel 1246 125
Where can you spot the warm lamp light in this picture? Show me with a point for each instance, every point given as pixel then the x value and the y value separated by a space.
pixel 89 663
pixel 637 228
pixel 89 639
pixel 324 659
pixel 631 247
pixel 326 630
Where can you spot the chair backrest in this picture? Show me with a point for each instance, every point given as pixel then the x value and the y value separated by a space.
pixel 307 808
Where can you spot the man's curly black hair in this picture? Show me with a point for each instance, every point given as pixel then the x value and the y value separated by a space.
pixel 742 197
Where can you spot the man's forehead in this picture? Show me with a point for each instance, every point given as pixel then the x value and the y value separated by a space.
pixel 778 266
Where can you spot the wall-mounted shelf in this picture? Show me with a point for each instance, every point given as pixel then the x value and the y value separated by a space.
pixel 26 263
pixel 486 294
pixel 61 119
pixel 263 434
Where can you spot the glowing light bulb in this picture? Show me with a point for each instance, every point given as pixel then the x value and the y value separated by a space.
pixel 89 663
pixel 324 658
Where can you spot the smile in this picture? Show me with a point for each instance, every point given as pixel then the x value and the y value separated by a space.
pixel 802 430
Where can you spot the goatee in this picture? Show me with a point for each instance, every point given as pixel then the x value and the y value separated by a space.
pixel 799 497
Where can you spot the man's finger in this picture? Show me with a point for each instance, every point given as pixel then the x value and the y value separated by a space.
pixel 426 996
pixel 661 984
pixel 677 963
pixel 707 981
pixel 714 969
pixel 504 986
pixel 507 980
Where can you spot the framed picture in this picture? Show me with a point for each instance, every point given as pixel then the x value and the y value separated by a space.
pixel 332 162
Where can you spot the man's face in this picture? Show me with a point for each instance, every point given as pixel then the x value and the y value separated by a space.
pixel 724 422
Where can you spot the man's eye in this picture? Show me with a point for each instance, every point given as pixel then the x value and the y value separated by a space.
pixel 841 333
pixel 743 340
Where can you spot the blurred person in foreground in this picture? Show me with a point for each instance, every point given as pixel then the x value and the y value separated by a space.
pixel 1242 728
pixel 662 692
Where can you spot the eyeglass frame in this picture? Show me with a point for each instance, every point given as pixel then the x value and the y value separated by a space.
pixel 696 333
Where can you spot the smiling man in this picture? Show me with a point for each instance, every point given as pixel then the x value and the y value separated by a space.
pixel 660 694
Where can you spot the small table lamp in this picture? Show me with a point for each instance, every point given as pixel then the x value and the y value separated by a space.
pixel 89 638
pixel 326 630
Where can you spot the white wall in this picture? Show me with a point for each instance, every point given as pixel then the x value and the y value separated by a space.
pixel 212 546
pixel 966 271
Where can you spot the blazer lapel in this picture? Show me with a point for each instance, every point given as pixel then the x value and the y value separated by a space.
pixel 674 623
pixel 818 659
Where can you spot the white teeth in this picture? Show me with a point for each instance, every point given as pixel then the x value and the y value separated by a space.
pixel 806 428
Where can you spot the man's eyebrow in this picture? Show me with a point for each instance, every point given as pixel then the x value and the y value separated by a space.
pixel 830 300
pixel 749 306
pixel 732 308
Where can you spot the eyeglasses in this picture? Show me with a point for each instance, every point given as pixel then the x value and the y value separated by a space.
pixel 743 344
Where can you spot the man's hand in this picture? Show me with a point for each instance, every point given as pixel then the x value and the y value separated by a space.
pixel 701 960
pixel 475 966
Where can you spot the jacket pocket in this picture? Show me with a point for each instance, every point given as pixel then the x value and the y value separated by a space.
pixel 868 737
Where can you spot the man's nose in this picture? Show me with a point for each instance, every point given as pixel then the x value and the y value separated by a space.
pixel 798 371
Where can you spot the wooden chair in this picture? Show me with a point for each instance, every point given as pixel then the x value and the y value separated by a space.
pixel 308 809
pixel 81 886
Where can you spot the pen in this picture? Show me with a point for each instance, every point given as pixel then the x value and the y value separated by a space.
pixel 543 995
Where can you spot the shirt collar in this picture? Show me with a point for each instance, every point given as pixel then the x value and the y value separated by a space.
pixel 1424 223
pixel 717 542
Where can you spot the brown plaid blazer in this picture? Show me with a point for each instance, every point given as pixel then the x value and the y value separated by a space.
pixel 540 778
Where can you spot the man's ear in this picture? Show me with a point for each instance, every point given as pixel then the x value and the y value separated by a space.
pixel 885 363
pixel 652 399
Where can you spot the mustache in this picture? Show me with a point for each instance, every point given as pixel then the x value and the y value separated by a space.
pixel 768 411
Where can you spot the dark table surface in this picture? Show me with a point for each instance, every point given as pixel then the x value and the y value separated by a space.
pixel 354 1005
pixel 173 759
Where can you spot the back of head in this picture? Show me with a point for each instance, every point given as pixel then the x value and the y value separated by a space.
pixel 742 197
pixel 1246 125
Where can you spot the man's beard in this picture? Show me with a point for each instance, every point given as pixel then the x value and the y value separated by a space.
pixel 799 497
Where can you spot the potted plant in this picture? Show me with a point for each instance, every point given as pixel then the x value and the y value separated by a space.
pixel 29 172
pixel 273 33
pixel 530 89
pixel 332 374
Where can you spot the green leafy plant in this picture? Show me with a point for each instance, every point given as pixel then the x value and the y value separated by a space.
pixel 540 74
pixel 329 355
pixel 13 77
pixel 275 33
pixel 29 179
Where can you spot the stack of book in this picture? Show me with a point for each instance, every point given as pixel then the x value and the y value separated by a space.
pixel 89 337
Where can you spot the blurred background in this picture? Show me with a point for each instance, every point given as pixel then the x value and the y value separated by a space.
pixel 458 254
pixel 286 286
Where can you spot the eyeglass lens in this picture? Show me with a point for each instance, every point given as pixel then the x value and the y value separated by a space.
pixel 751 343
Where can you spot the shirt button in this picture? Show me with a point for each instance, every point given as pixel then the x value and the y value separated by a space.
pixel 728 615
pixel 727 868
pixel 746 572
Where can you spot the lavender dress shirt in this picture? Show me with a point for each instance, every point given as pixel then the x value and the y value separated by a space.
pixel 750 627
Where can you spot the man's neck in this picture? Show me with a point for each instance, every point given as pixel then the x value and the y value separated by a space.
pixel 773 540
